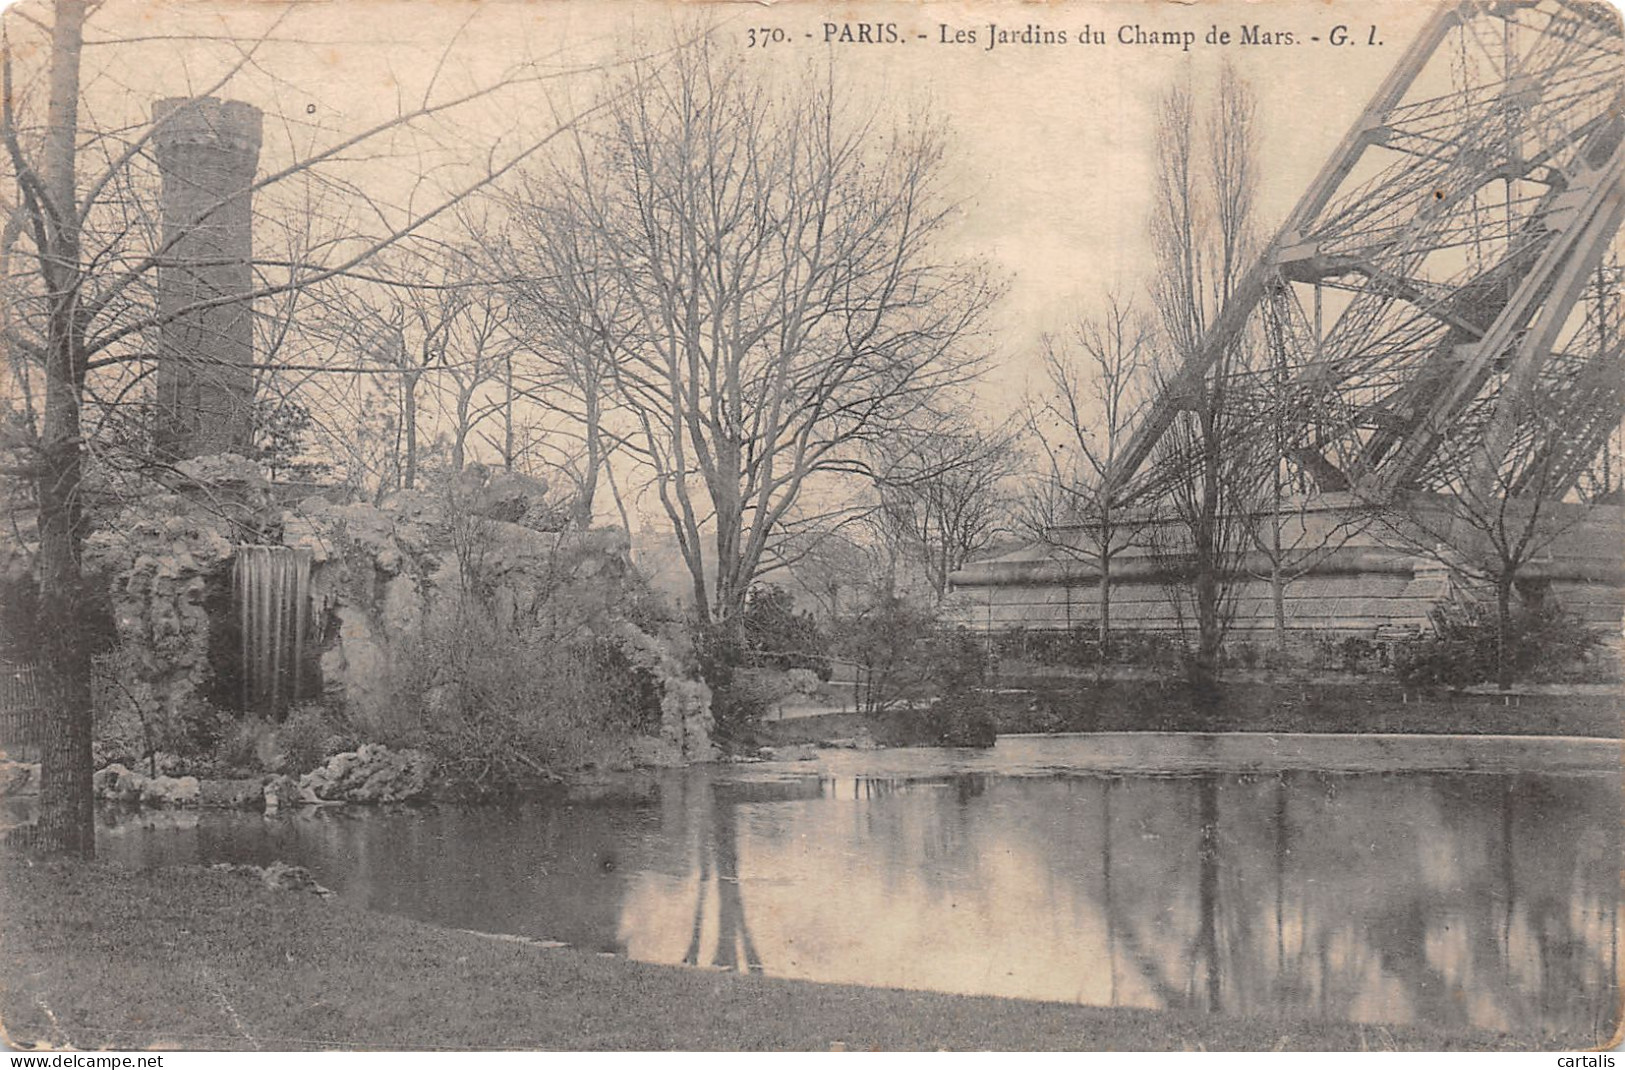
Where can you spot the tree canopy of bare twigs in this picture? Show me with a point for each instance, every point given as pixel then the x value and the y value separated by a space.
pixel 759 272
pixel 1202 234
pixel 562 286
pixel 1096 382
pixel 948 498
pixel 1489 525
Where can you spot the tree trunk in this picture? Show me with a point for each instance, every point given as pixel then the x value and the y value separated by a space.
pixel 1278 598
pixel 1277 574
pixel 67 817
pixel 585 501
pixel 67 820
pixel 1105 596
pixel 1503 629
pixel 459 438
pixel 1209 626
pixel 409 418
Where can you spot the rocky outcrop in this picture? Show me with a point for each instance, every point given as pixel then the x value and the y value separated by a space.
pixel 370 774
pixel 380 574
pixel 18 778
pixel 685 701
pixel 511 497
pixel 157 558
pixel 280 793
pixel 278 876
pixel 119 784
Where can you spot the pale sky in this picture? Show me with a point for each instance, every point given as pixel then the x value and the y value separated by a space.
pixel 1051 143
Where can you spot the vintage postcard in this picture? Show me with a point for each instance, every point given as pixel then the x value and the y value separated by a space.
pixel 811 526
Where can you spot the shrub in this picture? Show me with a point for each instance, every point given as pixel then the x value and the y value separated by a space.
pixel 1151 650
pixel 905 657
pixel 500 705
pixel 1466 647
pixel 308 737
pixel 1243 653
pixel 964 719
pixel 197 729
pixel 719 651
pixel 742 702
pixel 774 635
pixel 1345 653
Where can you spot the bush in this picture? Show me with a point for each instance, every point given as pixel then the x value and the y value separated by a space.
pixel 498 706
pixel 1466 647
pixel 1078 648
pixel 774 636
pixel 719 651
pixel 308 737
pixel 742 702
pixel 1345 653
pixel 1081 648
pixel 905 657
pixel 964 719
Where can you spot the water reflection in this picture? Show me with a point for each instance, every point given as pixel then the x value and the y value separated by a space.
pixel 1466 900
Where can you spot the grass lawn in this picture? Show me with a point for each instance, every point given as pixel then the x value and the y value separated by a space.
pixel 95 956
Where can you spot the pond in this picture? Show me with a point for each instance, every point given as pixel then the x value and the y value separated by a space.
pixel 1046 869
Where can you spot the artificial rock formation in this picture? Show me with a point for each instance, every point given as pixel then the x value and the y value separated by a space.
pixel 370 774
pixel 156 559
pixel 685 702
pixel 376 573
pixel 118 784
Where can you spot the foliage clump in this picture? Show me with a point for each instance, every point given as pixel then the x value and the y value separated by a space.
pixel 1467 647
pixel 501 705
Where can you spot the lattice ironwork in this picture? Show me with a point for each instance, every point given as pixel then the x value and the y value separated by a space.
pixel 1440 307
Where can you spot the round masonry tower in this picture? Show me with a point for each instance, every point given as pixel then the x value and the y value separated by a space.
pixel 208 150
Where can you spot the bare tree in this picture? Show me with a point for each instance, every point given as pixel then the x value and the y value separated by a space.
pixel 948 499
pixel 407 330
pixel 1498 514
pixel 1295 526
pixel 477 364
pixel 775 256
pixel 1097 379
pixel 1201 229
pixel 82 257
pixel 577 317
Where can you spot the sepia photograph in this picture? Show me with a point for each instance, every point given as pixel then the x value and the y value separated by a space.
pixel 902 525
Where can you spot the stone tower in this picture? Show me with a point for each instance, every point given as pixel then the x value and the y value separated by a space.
pixel 207 150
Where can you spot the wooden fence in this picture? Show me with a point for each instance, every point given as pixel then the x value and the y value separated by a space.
pixel 22 706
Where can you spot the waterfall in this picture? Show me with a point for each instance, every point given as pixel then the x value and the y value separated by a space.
pixel 271 585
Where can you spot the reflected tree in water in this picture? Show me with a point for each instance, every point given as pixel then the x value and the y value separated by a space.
pixel 717 834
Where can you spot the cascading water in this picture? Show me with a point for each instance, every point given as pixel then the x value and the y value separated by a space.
pixel 271 585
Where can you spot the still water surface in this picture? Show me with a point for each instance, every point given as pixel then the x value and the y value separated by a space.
pixel 1454 899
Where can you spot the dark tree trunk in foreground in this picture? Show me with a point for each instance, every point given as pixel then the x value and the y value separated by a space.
pixel 66 824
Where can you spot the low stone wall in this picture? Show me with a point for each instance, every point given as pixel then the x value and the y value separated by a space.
pixel 1343 581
